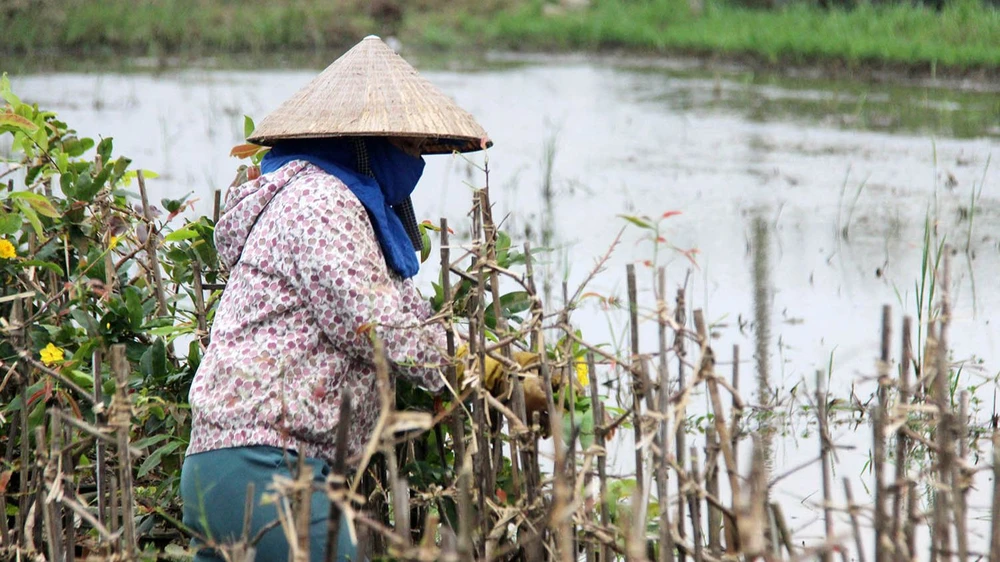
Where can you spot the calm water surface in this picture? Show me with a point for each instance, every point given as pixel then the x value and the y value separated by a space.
pixel 845 175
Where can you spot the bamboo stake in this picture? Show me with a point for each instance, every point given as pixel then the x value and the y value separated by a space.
pixel 995 509
pixel 852 511
pixel 457 425
pixel 882 547
pixel 902 446
pixel 824 453
pixel 216 205
pixel 666 553
pixel 707 372
pixel 633 311
pixel 597 409
pixel 101 462
pixel 121 418
pixel 23 379
pixel 712 487
pixel 51 481
pixel 695 506
pixel 680 434
pixel 945 431
pixel 200 311
pixel 338 479
pixel 958 477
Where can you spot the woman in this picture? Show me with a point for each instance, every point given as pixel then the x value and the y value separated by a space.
pixel 321 249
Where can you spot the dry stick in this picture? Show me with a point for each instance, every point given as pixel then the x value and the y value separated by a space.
pixel 597 410
pixel 945 433
pixel 152 242
pixel 338 478
pixel 959 478
pixel 707 372
pixel 101 463
pixel 824 453
pixel 878 445
pixel 121 419
pixel 852 510
pixel 457 425
pixel 662 437
pixel 783 532
pixel 902 410
pixel 995 509
pixel 680 436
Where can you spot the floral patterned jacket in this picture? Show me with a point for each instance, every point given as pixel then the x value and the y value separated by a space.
pixel 292 334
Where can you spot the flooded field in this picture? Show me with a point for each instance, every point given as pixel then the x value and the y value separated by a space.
pixel 845 178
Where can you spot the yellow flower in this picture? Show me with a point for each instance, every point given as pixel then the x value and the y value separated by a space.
pixel 581 373
pixel 7 250
pixel 51 355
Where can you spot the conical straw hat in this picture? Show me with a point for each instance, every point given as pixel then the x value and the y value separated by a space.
pixel 372 91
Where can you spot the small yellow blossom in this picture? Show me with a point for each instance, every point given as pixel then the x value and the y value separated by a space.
pixel 581 373
pixel 112 242
pixel 51 355
pixel 7 250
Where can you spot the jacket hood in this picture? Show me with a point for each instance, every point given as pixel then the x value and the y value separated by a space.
pixel 244 205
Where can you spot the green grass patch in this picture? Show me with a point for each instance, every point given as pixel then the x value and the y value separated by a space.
pixel 964 35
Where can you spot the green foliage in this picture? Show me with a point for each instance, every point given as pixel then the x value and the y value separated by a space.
pixel 81 260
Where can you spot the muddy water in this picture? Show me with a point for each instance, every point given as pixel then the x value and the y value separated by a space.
pixel 844 175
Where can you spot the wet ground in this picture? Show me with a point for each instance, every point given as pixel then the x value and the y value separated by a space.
pixel 846 176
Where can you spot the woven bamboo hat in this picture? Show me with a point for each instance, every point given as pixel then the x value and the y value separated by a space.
pixel 372 91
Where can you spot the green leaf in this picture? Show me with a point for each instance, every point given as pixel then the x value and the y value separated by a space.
pixel 10 121
pixel 104 148
pixel 39 202
pixel 640 222
pixel 133 304
pixel 85 320
pixel 154 459
pixel 153 363
pixel 515 303
pixel 6 93
pixel 9 223
pixel 30 215
pixel 181 234
pixel 248 126
pixel 46 265
pixel 503 249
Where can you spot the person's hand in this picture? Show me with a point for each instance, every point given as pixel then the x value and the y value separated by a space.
pixel 496 379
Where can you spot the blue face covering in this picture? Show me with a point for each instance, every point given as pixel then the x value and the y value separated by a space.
pixel 396 175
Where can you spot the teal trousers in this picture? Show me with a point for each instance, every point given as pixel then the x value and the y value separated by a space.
pixel 214 487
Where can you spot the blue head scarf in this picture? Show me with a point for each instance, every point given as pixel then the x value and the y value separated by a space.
pixel 396 174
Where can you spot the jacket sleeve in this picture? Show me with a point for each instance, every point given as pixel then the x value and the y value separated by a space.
pixel 342 273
